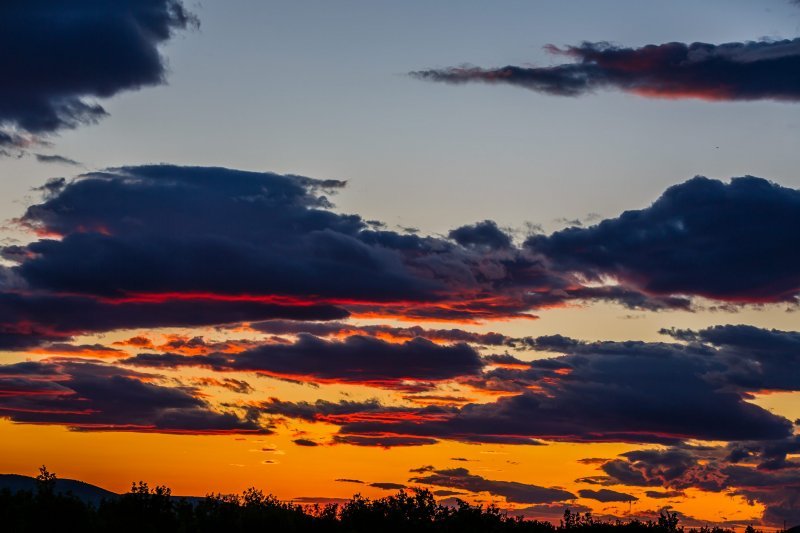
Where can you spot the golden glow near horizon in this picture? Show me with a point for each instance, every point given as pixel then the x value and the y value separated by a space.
pixel 199 465
pixel 202 464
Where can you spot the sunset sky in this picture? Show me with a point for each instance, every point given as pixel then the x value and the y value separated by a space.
pixel 542 254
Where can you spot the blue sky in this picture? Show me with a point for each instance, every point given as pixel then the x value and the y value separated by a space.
pixel 319 88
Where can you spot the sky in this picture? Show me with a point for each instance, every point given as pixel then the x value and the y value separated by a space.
pixel 533 253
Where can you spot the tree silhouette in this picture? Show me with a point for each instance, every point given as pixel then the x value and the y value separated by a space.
pixel 45 482
pixel 156 510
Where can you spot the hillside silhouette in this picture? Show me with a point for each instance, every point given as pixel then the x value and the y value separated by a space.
pixel 85 492
pixel 46 503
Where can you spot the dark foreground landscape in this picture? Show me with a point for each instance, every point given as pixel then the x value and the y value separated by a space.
pixel 50 504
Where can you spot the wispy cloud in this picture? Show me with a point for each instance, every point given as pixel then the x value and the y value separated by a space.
pixel 751 70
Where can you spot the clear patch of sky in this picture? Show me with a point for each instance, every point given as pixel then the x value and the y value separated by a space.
pixel 319 88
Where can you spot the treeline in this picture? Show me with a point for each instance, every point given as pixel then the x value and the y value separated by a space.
pixel 155 510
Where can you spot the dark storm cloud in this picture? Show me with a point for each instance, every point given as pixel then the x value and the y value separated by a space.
pixel 504 359
pixel 372 415
pixel 484 233
pixel 92 350
pixel 329 329
pixel 387 485
pixel 606 495
pixel 306 443
pixel 67 53
pixel 356 359
pixel 164 229
pixel 28 320
pixel 768 455
pixel 383 441
pixel 512 491
pixel 567 417
pixel 346 411
pixel 755 358
pixel 92 397
pixel 321 410
pixel 163 233
pixel 711 469
pixel 208 238
pixel 727 241
pixel 166 232
pixel 144 246
pixel 661 495
pixel 675 468
pixel 614 391
pixel 165 236
pixel 763 70
pixel 779 492
pixel 444 493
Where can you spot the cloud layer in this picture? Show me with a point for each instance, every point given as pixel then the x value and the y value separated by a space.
pixel 726 241
pixel 90 397
pixel 355 360
pixel 512 491
pixel 166 246
pixel 719 469
pixel 620 391
pixel 762 70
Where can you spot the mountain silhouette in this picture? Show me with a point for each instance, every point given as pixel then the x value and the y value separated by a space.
pixel 85 492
